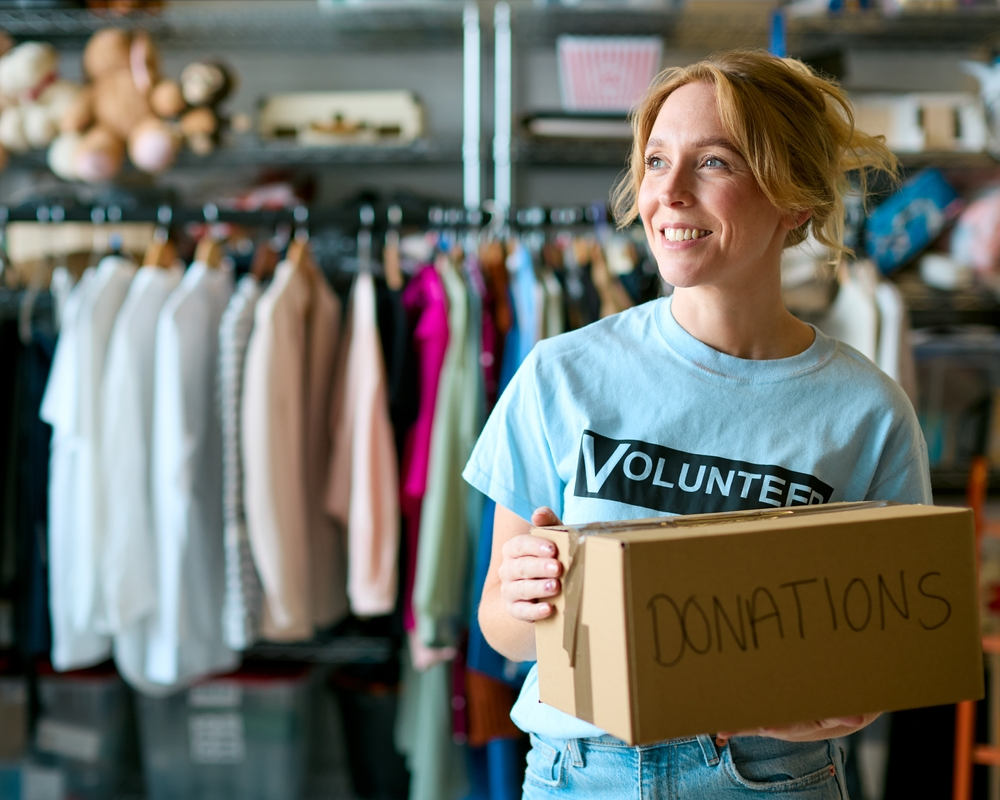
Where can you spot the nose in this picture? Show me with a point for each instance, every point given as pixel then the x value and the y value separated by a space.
pixel 675 189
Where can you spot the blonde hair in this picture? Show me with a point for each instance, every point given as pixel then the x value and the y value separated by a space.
pixel 794 128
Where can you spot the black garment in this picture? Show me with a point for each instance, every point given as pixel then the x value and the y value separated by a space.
pixel 24 473
pixel 34 436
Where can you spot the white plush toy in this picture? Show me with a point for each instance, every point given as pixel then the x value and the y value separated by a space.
pixel 33 96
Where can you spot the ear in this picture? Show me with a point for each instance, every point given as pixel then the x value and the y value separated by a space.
pixel 796 219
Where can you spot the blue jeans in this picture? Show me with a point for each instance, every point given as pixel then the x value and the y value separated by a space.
pixel 748 766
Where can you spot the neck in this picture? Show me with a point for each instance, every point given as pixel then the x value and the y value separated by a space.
pixel 754 325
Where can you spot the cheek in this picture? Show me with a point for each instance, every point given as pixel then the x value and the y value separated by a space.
pixel 646 201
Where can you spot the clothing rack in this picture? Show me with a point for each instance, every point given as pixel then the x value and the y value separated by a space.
pixel 367 215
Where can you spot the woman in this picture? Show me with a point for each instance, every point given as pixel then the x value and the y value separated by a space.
pixel 734 159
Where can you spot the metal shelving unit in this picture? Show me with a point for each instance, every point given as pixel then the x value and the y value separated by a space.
pixel 702 26
pixel 305 25
pixel 253 152
pixel 235 26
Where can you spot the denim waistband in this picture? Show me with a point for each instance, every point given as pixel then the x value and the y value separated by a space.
pixel 707 743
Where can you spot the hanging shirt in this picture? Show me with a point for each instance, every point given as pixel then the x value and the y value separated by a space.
pixel 523 288
pixel 363 491
pixel 241 608
pixel 554 323
pixel 128 563
pixel 440 587
pixel 72 406
pixel 427 305
pixel 286 433
pixel 853 316
pixel 185 636
pixel 895 348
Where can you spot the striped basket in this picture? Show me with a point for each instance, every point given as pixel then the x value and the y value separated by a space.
pixel 606 73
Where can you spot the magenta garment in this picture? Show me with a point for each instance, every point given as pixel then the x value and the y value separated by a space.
pixel 426 306
pixel 489 352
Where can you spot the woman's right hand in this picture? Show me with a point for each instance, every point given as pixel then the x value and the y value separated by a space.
pixel 530 571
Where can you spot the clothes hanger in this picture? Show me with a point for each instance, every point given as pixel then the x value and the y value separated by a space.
pixel 299 254
pixel 209 250
pixel 41 275
pixel 265 259
pixel 390 252
pixel 367 215
pixel 161 252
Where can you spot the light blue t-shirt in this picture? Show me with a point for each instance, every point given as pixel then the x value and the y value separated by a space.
pixel 633 417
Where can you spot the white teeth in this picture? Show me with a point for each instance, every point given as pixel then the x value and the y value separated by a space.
pixel 683 234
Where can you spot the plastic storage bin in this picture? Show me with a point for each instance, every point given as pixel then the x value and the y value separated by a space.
pixel 81 731
pixel 242 736
pixel 606 73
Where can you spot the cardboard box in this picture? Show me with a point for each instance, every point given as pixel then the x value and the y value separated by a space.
pixel 679 626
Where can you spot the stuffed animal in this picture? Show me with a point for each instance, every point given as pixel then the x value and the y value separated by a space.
pixel 32 96
pixel 115 114
pixel 204 85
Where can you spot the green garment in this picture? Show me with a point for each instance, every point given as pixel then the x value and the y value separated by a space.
pixel 423 735
pixel 440 592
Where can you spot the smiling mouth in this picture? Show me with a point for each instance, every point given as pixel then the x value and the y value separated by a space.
pixel 683 234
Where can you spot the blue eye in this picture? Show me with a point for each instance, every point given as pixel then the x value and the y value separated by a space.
pixel 714 162
pixel 654 162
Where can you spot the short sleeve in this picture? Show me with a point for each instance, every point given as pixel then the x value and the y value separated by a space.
pixel 512 461
pixel 903 472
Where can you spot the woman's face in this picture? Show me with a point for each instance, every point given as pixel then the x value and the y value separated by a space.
pixel 706 219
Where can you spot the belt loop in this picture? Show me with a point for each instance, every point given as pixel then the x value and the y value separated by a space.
pixel 575 756
pixel 708 748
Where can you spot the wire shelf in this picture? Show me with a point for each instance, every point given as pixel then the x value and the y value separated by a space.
pixel 239 25
pixel 718 26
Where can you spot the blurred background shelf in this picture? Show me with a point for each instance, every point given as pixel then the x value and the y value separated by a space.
pixel 427 25
pixel 254 152
pixel 718 25
pixel 299 24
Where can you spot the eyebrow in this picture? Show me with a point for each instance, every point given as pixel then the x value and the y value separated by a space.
pixel 709 141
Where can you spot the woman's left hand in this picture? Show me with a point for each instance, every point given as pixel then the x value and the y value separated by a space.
pixel 811 731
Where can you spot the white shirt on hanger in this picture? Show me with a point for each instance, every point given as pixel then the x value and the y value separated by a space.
pixel 185 637
pixel 72 405
pixel 895 349
pixel 853 316
pixel 128 565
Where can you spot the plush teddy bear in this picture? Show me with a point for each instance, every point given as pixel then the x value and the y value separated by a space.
pixel 115 114
pixel 32 96
pixel 203 86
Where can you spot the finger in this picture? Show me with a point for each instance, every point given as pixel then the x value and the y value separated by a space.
pixel 544 516
pixel 529 612
pixel 528 545
pixel 515 591
pixel 519 569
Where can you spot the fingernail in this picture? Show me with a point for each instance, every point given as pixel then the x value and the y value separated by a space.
pixel 552 568
pixel 545 510
pixel 548 549
pixel 544 607
pixel 550 586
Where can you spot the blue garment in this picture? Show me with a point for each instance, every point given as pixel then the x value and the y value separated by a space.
pixel 604 767
pixel 633 417
pixel 496 770
pixel 481 656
